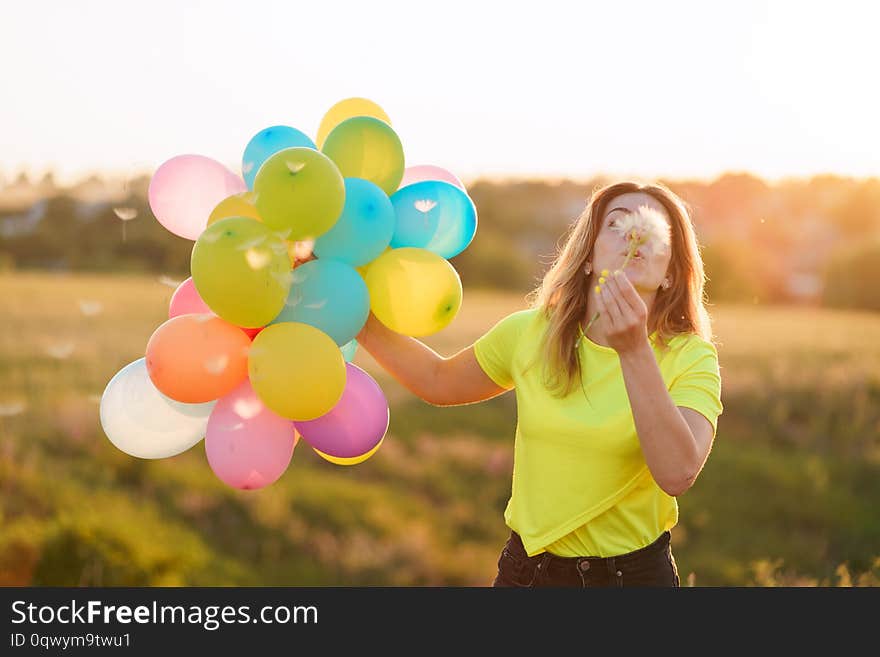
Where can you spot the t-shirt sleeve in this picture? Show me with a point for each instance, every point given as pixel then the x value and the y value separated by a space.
pixel 698 383
pixel 494 350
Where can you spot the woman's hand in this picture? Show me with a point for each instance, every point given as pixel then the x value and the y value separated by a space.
pixel 625 314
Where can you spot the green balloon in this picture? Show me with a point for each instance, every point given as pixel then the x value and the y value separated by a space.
pixel 300 192
pixel 241 269
pixel 368 148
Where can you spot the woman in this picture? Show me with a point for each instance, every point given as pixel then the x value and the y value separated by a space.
pixel 618 396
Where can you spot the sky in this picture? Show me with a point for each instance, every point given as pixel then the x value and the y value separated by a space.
pixel 554 89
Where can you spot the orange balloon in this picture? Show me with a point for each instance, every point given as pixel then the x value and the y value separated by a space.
pixel 197 358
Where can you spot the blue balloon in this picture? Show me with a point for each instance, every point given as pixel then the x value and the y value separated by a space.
pixel 364 230
pixel 266 143
pixel 434 215
pixel 349 349
pixel 329 295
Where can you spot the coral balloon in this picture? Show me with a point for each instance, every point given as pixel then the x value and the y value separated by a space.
pixel 197 358
pixel 346 109
pixel 247 445
pixel 185 189
pixel 364 147
pixel 297 370
pixel 329 295
pixel 356 424
pixel 364 229
pixel 413 291
pixel 237 205
pixel 421 172
pixel 142 422
pixel 434 215
pixel 242 271
pixel 266 143
pixel 300 192
pixel 352 461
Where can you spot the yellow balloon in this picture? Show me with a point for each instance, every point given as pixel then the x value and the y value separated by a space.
pixel 345 109
pixel 354 460
pixel 296 370
pixel 241 270
pixel 365 147
pixel 237 205
pixel 413 291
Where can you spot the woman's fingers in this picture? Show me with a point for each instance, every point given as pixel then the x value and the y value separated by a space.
pixel 627 295
pixel 611 306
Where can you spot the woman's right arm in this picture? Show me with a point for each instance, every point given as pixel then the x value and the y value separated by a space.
pixel 437 380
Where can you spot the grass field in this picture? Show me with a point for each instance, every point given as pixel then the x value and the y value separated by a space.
pixel 789 495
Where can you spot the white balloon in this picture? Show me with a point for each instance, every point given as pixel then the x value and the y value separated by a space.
pixel 143 422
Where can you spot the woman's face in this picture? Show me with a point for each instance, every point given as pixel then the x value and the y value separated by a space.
pixel 647 270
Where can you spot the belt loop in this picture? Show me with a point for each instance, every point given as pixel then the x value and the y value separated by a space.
pixel 541 564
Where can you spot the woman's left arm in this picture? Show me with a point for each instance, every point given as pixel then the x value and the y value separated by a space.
pixel 675 441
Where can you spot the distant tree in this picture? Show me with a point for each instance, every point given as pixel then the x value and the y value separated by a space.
pixel 852 277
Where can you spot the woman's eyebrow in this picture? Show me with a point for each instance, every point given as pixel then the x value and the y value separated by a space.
pixel 627 210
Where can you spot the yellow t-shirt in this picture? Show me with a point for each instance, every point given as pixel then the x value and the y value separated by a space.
pixel 581 486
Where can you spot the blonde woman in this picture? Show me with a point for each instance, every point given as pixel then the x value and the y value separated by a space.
pixel 618 394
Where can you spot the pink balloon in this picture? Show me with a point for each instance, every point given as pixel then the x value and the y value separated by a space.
pixel 247 445
pixel 185 189
pixel 421 172
pixel 186 300
pixel 356 424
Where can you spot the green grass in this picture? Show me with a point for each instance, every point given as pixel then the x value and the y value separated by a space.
pixel 788 496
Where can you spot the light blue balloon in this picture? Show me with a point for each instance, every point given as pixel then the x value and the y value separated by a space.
pixel 349 349
pixel 434 215
pixel 267 142
pixel 364 230
pixel 329 295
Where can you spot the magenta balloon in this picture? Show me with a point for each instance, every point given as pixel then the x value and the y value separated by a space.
pixel 421 172
pixel 356 424
pixel 248 446
pixel 186 300
pixel 185 189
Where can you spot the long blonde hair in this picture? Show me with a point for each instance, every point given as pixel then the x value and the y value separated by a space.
pixel 562 294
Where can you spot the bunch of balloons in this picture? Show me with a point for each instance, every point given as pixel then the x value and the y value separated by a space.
pixel 289 260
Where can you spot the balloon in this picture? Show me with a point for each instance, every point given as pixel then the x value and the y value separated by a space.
pixel 241 269
pixel 364 229
pixel 197 358
pixel 346 109
pixel 297 370
pixel 329 295
pixel 266 143
pixel 185 189
pixel 247 445
pixel 186 301
pixel 349 349
pixel 300 192
pixel 364 147
pixel 351 461
pixel 421 172
pixel 434 215
pixel 142 422
pixel 356 424
pixel 237 205
pixel 413 291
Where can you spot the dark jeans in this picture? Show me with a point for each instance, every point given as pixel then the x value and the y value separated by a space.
pixel 652 565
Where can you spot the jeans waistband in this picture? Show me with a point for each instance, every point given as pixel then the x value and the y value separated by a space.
pixel 661 544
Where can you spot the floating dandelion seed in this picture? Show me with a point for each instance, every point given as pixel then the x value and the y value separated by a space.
pixel 167 280
pixel 425 205
pixel 256 241
pixel 95 399
pixel 247 167
pixel 257 258
pixel 295 167
pixel 90 308
pixel 247 408
pixel 126 214
pixel 216 365
pixel 61 350
pixel 317 305
pixel 294 299
pixel 10 409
